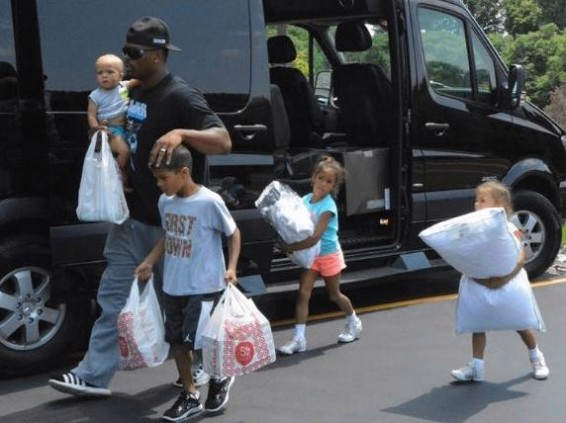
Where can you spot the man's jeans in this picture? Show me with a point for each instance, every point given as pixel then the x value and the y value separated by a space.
pixel 126 247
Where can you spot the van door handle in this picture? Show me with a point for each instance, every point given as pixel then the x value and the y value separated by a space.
pixel 438 128
pixel 248 132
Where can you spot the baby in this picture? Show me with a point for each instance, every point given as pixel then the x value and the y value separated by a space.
pixel 107 107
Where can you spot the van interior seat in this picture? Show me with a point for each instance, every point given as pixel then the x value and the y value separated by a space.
pixel 303 111
pixel 293 171
pixel 363 91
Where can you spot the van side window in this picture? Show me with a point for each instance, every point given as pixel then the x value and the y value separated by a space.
pixel 447 55
pixel 68 59
pixel 485 71
pixel 443 38
pixel 8 75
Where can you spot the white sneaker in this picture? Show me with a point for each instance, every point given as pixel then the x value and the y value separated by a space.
pixel 200 377
pixel 351 332
pixel 293 346
pixel 540 369
pixel 468 373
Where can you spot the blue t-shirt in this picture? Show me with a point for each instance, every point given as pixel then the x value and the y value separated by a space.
pixel 329 241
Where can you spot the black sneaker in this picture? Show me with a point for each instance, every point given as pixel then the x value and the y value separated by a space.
pixel 69 383
pixel 185 406
pixel 218 393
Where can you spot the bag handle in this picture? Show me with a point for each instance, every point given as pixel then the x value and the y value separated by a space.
pixel 237 302
pixel 99 146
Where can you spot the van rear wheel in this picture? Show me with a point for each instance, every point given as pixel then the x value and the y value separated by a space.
pixel 540 223
pixel 35 331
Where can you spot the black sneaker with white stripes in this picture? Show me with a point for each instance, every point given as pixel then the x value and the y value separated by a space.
pixel 69 383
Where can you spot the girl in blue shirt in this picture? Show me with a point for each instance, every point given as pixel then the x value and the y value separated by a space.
pixel 326 178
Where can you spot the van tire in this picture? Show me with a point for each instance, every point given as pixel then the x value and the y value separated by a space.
pixel 540 223
pixel 40 331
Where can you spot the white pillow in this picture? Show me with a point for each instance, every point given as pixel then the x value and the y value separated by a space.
pixel 511 307
pixel 478 244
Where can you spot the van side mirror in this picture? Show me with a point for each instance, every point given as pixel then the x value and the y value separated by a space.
pixel 515 92
pixel 322 87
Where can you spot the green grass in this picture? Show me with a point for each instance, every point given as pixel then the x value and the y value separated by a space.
pixel 564 235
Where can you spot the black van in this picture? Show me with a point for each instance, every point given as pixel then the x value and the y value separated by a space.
pixel 409 95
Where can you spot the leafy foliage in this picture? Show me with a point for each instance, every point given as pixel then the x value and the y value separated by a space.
pixel 487 13
pixel 553 11
pixel 543 54
pixel 522 16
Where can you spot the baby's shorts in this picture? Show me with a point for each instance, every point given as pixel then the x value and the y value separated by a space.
pixel 116 130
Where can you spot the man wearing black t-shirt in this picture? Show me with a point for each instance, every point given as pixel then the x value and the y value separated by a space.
pixel 164 111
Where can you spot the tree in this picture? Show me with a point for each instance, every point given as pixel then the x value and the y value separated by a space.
pixel 553 11
pixel 487 13
pixel 522 16
pixel 543 54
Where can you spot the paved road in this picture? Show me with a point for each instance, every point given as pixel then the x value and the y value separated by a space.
pixel 397 372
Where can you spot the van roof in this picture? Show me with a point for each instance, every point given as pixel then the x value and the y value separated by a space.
pixel 297 10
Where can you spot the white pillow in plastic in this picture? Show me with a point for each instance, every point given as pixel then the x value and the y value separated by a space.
pixel 290 217
pixel 511 307
pixel 478 244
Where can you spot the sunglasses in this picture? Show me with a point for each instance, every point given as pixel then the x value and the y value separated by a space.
pixel 135 53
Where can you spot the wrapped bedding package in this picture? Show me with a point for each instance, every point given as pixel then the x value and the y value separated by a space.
pixel 511 307
pixel 482 245
pixel 478 244
pixel 285 211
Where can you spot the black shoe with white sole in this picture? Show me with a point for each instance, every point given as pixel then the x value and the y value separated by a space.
pixel 218 393
pixel 186 405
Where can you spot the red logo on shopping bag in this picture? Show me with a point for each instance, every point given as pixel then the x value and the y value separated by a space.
pixel 244 353
pixel 124 350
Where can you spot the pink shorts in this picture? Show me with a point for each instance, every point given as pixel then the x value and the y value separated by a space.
pixel 329 264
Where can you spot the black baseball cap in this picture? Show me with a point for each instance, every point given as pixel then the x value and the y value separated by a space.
pixel 150 31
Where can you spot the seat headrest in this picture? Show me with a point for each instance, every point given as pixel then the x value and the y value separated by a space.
pixel 7 70
pixel 280 49
pixel 352 36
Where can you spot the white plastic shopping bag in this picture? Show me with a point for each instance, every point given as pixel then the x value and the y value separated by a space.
pixel 478 244
pixel 285 211
pixel 204 318
pixel 237 339
pixel 101 195
pixel 141 331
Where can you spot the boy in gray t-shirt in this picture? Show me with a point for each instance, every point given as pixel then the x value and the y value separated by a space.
pixel 194 219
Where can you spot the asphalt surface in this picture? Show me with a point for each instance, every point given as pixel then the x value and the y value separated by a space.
pixel 398 372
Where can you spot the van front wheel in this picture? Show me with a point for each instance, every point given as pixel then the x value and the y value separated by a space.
pixel 540 223
pixel 35 331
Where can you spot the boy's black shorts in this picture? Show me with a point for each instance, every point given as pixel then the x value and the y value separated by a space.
pixel 182 315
